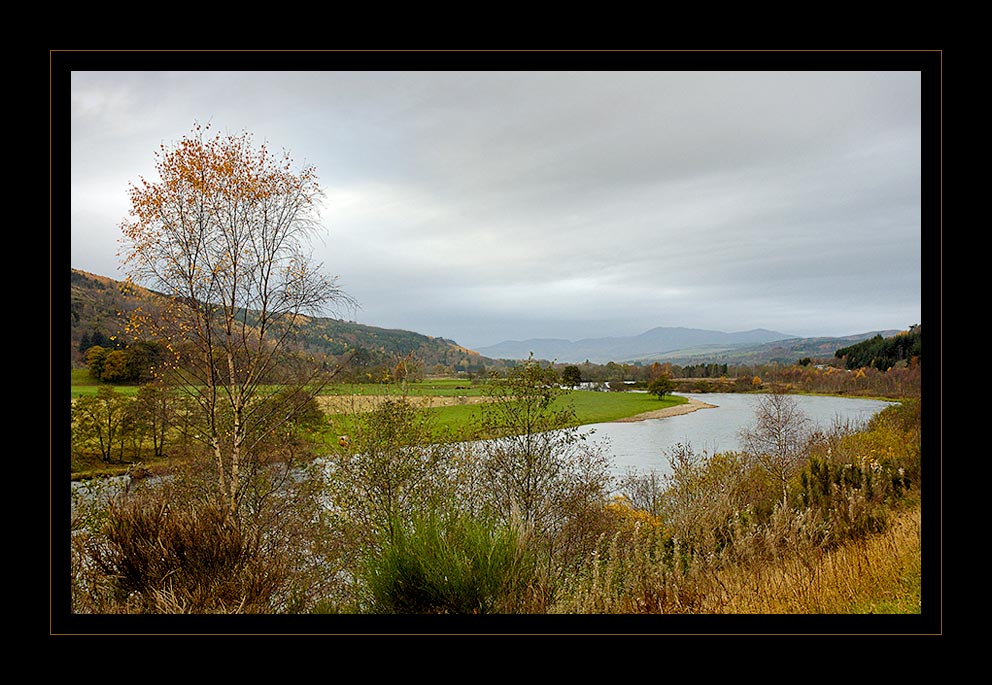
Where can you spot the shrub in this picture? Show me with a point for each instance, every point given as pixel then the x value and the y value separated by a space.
pixel 852 479
pixel 538 465
pixel 661 386
pixel 643 573
pixel 449 565
pixel 165 558
pixel 388 468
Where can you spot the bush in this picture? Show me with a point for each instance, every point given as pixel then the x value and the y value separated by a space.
pixel 854 479
pixel 453 565
pixel 164 558
pixel 848 496
pixel 661 386
pixel 638 571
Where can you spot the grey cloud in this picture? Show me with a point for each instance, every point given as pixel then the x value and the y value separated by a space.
pixel 489 205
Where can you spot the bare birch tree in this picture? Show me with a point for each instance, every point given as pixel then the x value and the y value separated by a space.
pixel 780 436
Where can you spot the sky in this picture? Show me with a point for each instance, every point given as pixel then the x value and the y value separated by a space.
pixel 484 206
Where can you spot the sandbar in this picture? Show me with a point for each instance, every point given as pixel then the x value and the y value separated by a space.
pixel 679 409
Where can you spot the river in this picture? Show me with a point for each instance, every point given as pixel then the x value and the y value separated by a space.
pixel 645 445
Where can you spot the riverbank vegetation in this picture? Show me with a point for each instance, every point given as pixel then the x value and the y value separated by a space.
pixel 390 520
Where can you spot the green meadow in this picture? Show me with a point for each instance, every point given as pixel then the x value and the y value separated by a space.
pixel 459 420
pixel 455 421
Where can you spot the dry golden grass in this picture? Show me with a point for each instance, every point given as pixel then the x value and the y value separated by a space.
pixel 880 574
pixel 358 404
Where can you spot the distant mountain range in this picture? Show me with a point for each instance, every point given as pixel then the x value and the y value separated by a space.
pixel 98 305
pixel 646 346
pixel 680 346
pixel 787 351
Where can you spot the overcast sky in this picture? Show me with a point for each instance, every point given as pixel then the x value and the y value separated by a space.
pixel 484 206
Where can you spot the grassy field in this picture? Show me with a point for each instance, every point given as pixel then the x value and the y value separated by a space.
pixel 81 384
pixel 454 405
pixel 461 396
pixel 439 387
pixel 458 419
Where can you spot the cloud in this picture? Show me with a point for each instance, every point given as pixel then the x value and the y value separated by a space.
pixel 492 205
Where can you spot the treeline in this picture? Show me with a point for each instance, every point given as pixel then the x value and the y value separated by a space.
pixel 826 376
pixel 157 420
pixel 124 428
pixel 884 353
pixel 898 381
pixel 645 373
pixel 110 359
pixel 118 363
pixel 372 365
pixel 889 367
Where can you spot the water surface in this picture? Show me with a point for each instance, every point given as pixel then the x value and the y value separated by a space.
pixel 645 445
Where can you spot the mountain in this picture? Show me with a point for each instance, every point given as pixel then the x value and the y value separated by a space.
pixel 99 308
pixel 786 351
pixel 650 344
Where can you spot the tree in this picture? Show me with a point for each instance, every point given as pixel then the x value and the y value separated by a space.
pixel 153 405
pixel 95 358
pixel 779 439
pixel 224 235
pixel 389 469
pixel 661 386
pixel 537 459
pixel 115 367
pixel 616 372
pixel 142 358
pixel 571 376
pixel 100 419
pixel 539 471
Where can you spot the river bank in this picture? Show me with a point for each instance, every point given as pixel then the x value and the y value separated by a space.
pixel 687 408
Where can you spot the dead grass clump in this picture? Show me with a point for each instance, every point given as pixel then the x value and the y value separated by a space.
pixel 161 557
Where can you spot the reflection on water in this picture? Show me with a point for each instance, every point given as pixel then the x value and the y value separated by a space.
pixel 645 445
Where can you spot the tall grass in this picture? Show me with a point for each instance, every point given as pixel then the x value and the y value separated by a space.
pixel 877 574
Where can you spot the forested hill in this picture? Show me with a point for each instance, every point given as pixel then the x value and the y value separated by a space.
pixel 99 310
pixel 884 353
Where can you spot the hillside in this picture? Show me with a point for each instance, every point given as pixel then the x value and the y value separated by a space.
pixel 883 352
pixel 780 351
pixel 99 307
pixel 652 344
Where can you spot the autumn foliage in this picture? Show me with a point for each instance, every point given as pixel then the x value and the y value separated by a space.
pixel 224 236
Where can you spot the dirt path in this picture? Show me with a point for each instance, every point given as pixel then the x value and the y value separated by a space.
pixel 691 406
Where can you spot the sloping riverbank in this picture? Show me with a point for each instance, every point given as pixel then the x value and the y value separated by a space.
pixel 687 408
